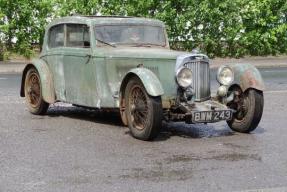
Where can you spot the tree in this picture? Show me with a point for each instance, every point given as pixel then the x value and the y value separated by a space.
pixel 24 22
pixel 218 27
pixel 2 28
pixel 83 7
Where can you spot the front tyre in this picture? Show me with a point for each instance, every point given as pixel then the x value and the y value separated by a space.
pixel 144 112
pixel 33 93
pixel 249 109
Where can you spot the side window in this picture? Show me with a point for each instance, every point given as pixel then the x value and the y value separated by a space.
pixel 56 36
pixel 78 35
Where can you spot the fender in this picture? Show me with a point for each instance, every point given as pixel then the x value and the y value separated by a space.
pixel 247 76
pixel 47 85
pixel 148 78
pixel 150 82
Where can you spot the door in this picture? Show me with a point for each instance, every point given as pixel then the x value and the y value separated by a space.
pixel 54 58
pixel 79 79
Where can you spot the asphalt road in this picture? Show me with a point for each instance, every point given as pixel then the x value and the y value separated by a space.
pixel 72 149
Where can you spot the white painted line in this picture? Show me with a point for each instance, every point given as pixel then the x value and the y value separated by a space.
pixel 279 91
pixel 273 71
pixel 279 189
pixel 3 78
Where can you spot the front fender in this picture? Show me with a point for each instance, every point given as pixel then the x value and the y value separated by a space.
pixel 247 76
pixel 150 82
pixel 47 85
pixel 148 78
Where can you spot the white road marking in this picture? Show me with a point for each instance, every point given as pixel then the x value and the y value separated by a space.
pixel 3 78
pixel 271 71
pixel 278 91
pixel 279 189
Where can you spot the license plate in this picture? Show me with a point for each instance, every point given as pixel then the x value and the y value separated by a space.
pixel 211 116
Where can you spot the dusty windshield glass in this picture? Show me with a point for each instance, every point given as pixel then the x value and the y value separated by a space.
pixel 134 35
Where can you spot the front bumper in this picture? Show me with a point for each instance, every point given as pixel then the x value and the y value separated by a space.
pixel 209 111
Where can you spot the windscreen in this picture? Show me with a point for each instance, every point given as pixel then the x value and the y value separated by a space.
pixel 127 34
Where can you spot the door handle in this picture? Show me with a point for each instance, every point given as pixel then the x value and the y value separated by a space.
pixel 89 58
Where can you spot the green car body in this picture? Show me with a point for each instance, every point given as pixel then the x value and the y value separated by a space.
pixel 96 75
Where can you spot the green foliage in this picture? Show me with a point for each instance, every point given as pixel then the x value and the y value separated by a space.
pixel 231 28
pixel 83 7
pixel 221 28
pixel 2 52
pixel 23 22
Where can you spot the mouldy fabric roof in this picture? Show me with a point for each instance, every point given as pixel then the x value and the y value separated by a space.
pixel 106 20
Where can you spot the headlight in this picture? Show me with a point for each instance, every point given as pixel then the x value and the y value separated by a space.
pixel 225 75
pixel 184 77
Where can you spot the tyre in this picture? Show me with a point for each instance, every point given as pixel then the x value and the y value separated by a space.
pixel 143 112
pixel 249 109
pixel 33 93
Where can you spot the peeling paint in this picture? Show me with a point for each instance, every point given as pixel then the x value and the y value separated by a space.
pixel 247 76
pixel 99 104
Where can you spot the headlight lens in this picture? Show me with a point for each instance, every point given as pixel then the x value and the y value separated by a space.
pixel 225 75
pixel 184 77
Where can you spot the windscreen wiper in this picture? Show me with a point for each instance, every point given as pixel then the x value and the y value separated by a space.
pixel 107 43
pixel 146 45
pixel 141 45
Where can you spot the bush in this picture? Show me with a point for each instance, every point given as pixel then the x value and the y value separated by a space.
pixel 1 52
pixel 223 28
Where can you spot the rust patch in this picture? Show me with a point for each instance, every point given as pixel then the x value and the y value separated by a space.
pixel 249 79
pixel 123 112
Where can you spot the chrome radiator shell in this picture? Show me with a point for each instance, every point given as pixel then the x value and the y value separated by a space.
pixel 201 78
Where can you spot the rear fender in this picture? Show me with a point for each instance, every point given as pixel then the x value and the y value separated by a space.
pixel 47 85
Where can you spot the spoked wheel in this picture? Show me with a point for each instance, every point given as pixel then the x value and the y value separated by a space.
pixel 33 93
pixel 144 113
pixel 249 108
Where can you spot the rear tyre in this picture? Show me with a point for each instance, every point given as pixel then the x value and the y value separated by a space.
pixel 249 109
pixel 33 93
pixel 143 112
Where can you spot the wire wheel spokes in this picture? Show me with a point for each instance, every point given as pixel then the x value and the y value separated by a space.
pixel 243 107
pixel 139 109
pixel 33 89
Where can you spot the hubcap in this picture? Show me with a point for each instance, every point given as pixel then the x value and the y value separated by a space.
pixel 32 87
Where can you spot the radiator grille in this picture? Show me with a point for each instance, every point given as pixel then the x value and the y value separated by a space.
pixel 201 79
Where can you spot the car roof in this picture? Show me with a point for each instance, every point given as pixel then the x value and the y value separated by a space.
pixel 101 20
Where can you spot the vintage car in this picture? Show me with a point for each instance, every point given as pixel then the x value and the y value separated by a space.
pixel 125 63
